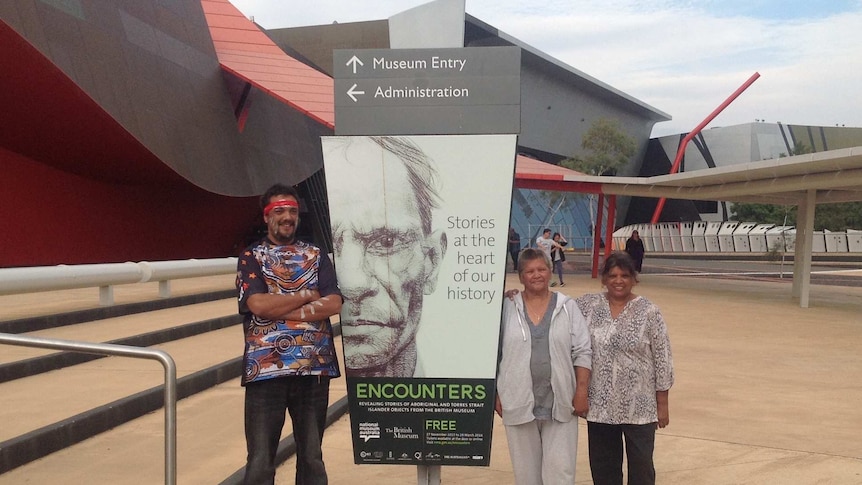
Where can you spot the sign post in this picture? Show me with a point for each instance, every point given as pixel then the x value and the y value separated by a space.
pixel 419 179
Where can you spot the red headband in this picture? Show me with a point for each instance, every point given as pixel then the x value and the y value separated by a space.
pixel 279 203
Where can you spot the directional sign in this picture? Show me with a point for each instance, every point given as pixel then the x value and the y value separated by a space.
pixel 353 92
pixel 473 90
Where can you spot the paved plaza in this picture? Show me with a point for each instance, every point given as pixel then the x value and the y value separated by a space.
pixel 766 393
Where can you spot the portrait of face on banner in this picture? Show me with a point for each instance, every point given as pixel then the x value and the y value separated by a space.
pixel 419 231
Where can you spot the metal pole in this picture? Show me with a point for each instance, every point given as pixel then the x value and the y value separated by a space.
pixel 124 351
pixel 428 474
pixel 170 417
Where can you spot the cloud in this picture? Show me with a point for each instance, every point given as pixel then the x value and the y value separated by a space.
pixel 682 57
pixel 686 61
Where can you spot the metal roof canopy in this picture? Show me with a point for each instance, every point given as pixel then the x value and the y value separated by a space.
pixel 802 180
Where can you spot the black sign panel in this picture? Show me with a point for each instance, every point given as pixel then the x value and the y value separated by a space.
pixel 421 421
pixel 474 90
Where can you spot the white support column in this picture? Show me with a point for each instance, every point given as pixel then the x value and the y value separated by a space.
pixel 106 295
pixel 804 244
pixel 165 289
pixel 798 248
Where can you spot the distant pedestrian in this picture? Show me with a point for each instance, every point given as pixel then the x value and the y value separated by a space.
pixel 514 247
pixel 546 244
pixel 557 256
pixel 635 248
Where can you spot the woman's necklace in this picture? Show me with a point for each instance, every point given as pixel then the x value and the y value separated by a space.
pixel 536 307
pixel 618 307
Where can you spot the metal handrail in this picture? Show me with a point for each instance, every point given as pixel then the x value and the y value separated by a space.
pixel 124 351
pixel 105 276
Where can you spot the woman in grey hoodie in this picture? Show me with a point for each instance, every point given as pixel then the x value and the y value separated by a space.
pixel 543 376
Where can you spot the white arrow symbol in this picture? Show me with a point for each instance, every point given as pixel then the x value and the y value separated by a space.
pixel 352 91
pixel 354 60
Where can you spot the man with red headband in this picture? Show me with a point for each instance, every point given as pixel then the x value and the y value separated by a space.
pixel 287 292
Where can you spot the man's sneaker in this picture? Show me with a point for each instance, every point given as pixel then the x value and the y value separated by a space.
pixel 562 284
pixel 553 284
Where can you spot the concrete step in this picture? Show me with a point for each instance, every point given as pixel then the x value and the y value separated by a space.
pixel 57 360
pixel 73 390
pixel 96 399
pixel 210 446
pixel 123 327
pixel 210 442
pixel 43 409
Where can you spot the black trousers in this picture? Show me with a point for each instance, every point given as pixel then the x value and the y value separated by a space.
pixel 606 453
pixel 306 399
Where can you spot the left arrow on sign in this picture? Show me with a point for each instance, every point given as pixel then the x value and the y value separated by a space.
pixel 352 91
pixel 355 61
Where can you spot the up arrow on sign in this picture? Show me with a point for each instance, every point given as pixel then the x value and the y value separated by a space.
pixel 354 61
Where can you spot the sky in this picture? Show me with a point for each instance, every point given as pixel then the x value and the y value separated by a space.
pixel 682 57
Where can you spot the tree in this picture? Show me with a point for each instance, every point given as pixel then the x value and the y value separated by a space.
pixel 554 200
pixel 763 213
pixel 607 149
pixel 833 217
pixel 798 149
pixel 838 217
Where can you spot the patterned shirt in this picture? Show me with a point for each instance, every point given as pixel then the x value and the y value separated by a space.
pixel 277 348
pixel 631 360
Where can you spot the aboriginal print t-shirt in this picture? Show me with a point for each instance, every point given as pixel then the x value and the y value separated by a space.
pixel 277 348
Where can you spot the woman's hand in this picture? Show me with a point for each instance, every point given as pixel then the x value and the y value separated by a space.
pixel 662 407
pixel 498 407
pixel 580 402
pixel 510 294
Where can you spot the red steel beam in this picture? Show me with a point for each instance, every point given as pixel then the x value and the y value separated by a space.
pixel 609 228
pixel 681 151
pixel 557 185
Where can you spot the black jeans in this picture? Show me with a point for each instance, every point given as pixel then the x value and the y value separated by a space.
pixel 514 254
pixel 606 453
pixel 306 398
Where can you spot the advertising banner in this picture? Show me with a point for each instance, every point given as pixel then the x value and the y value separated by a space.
pixel 419 226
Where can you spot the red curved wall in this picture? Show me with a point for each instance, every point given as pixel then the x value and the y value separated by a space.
pixel 50 216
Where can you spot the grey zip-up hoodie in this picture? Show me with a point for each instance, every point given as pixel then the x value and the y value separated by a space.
pixel 570 346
